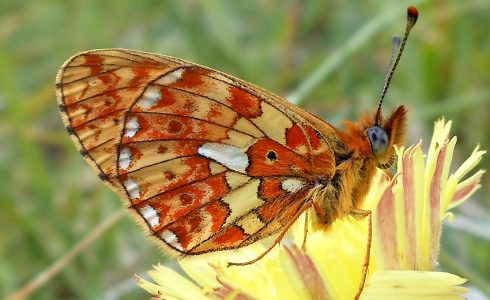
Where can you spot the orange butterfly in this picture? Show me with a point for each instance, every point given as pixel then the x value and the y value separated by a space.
pixel 210 162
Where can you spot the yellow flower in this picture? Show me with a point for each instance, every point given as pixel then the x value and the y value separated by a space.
pixel 408 210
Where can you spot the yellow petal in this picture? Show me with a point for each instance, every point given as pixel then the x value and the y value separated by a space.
pixel 171 285
pixel 303 274
pixel 466 188
pixel 200 271
pixel 414 285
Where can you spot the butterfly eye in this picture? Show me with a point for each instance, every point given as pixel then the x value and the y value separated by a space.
pixel 378 139
pixel 271 155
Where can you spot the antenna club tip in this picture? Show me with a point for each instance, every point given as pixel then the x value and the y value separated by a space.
pixel 412 14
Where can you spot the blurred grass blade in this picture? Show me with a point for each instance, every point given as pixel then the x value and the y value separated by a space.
pixel 58 266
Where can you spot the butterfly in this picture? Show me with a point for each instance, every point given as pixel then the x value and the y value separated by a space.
pixel 209 162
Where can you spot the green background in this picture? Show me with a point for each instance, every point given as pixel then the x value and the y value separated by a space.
pixel 328 56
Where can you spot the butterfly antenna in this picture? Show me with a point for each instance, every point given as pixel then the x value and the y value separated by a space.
pixel 412 15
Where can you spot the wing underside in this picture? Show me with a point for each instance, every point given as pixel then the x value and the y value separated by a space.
pixel 208 162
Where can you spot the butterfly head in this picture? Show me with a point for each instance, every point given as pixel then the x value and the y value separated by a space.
pixel 372 139
pixel 384 135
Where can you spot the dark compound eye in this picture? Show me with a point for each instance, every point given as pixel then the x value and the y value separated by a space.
pixel 271 155
pixel 379 140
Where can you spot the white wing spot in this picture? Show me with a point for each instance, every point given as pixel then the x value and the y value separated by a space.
pixel 170 237
pixel 150 97
pixel 171 77
pixel 230 156
pixel 132 127
pixel 150 215
pixel 292 185
pixel 133 188
pixel 125 158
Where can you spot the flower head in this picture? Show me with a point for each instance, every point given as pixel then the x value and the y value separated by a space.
pixel 408 209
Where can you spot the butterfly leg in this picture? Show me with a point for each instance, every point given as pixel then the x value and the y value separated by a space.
pixel 359 213
pixel 277 240
pixel 303 245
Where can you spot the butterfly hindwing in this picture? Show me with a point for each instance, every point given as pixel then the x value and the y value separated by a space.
pixel 208 161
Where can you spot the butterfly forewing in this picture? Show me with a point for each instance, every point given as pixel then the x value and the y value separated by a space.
pixel 208 161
